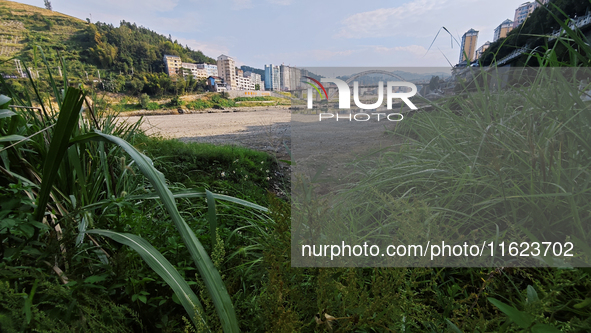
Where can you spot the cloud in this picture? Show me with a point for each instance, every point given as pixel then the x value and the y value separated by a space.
pixel 241 4
pixel 327 54
pixel 188 22
pixel 281 2
pixel 417 18
pixel 138 5
pixel 209 49
pixel 388 21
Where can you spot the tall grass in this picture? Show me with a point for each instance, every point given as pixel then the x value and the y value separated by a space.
pixel 77 166
pixel 507 158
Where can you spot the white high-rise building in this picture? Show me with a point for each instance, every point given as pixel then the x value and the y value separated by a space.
pixel 227 71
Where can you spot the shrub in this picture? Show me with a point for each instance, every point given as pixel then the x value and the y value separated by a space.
pixel 144 100
pixel 153 106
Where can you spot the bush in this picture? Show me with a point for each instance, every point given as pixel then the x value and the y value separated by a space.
pixel 144 100
pixel 153 106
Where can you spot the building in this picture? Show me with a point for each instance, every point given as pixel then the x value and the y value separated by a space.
pixel 244 83
pixel 524 10
pixel 272 77
pixel 289 78
pixel 227 71
pixel 211 70
pixel 255 79
pixel 284 78
pixel 503 29
pixel 193 70
pixel 481 50
pixel 468 46
pixel 172 64
pixel 216 84
pixel 295 78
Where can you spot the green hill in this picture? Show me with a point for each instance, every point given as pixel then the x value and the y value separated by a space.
pixel 129 57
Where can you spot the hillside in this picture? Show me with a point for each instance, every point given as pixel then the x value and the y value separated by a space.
pixel 129 57
pixel 534 31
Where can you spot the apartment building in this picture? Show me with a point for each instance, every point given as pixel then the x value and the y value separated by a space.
pixel 295 78
pixel 193 70
pixel 172 64
pixel 227 71
pixel 480 50
pixel 272 77
pixel 468 46
pixel 244 83
pixel 524 10
pixel 211 70
pixel 503 29
pixel 255 79
pixel 284 78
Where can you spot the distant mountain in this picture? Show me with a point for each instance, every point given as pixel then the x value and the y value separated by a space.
pixel 261 72
pixel 407 76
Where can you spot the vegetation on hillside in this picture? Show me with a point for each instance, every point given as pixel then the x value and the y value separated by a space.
pixel 124 59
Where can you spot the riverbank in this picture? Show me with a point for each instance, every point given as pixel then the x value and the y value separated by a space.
pixel 181 110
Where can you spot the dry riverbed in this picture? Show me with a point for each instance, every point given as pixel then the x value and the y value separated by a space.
pixel 331 149
pixel 265 129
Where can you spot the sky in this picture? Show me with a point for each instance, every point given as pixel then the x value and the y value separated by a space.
pixel 305 33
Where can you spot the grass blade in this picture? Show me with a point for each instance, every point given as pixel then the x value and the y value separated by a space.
pixel 211 277
pixel 212 217
pixel 67 120
pixel 163 268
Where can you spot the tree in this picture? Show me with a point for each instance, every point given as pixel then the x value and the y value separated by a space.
pixel 434 83
pixel 257 87
pixel 48 5
pixel 144 100
pixel 136 85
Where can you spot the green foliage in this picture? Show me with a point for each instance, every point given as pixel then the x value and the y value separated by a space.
pixel 176 101
pixel 199 104
pixel 77 193
pixel 153 106
pixel 536 29
pixel 144 100
pixel 139 47
pixel 130 57
pixel 37 303
pixel 234 170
